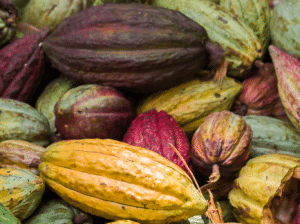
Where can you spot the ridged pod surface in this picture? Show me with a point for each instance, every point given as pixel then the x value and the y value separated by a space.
pixel 21 121
pixel 191 102
pixel 21 191
pixel 271 135
pixel 134 46
pixel 240 44
pixel 287 70
pixel 255 13
pixel 264 184
pixel 20 154
pixel 115 180
pixel 285 26
pixel 156 131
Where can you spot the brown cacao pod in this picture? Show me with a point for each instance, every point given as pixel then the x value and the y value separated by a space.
pixel 93 111
pixel 267 190
pixel 116 180
pixel 138 47
pixel 22 154
pixel 156 131
pixel 221 145
pixel 22 66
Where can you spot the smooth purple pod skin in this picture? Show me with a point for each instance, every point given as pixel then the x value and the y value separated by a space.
pixel 156 131
pixel 93 111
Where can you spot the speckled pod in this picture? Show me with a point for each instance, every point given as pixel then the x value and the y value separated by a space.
pixel 21 191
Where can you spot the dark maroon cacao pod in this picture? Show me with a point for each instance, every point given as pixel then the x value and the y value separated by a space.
pixel 93 111
pixel 22 66
pixel 137 47
pixel 156 131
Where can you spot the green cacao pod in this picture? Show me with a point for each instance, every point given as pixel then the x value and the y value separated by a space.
pixel 51 95
pixel 240 44
pixel 21 191
pixel 272 135
pixel 51 13
pixel 255 13
pixel 267 190
pixel 285 26
pixel 191 102
pixel 8 26
pixel 56 211
pixel 6 217
pixel 21 121
pixel 133 46
pixel 115 180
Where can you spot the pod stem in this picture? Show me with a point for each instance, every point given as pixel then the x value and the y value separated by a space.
pixel 187 167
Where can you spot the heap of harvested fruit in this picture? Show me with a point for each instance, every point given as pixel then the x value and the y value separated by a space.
pixel 150 111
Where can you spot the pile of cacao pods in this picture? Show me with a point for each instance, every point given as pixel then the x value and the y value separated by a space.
pixel 150 111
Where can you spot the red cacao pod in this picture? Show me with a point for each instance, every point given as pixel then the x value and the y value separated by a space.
pixel 221 145
pixel 156 131
pixel 260 94
pixel 93 111
pixel 137 47
pixel 22 66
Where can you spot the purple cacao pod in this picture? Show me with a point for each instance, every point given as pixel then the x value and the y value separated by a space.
pixel 93 111
pixel 156 131
pixel 22 66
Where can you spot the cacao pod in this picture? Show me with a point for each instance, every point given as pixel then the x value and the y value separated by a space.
pixel 271 135
pixel 21 121
pixel 123 222
pixel 7 217
pixel 56 211
pixel 22 154
pixel 51 95
pixel 240 44
pixel 191 102
pixel 22 66
pixel 93 111
pixel 21 191
pixel 221 145
pixel 285 25
pixel 287 70
pixel 260 94
pixel 267 190
pixel 115 180
pixel 133 46
pixel 156 131
pixel 50 13
pixel 255 13
pixel 8 27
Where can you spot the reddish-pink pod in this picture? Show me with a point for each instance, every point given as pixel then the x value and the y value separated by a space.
pixel 156 131
pixel 93 111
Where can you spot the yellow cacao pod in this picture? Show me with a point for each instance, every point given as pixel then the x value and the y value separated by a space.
pixel 115 180
pixel 191 102
pixel 267 190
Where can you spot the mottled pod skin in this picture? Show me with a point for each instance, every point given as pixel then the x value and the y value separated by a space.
pixel 93 111
pixel 156 131
pixel 287 70
pixel 133 46
pixel 223 140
